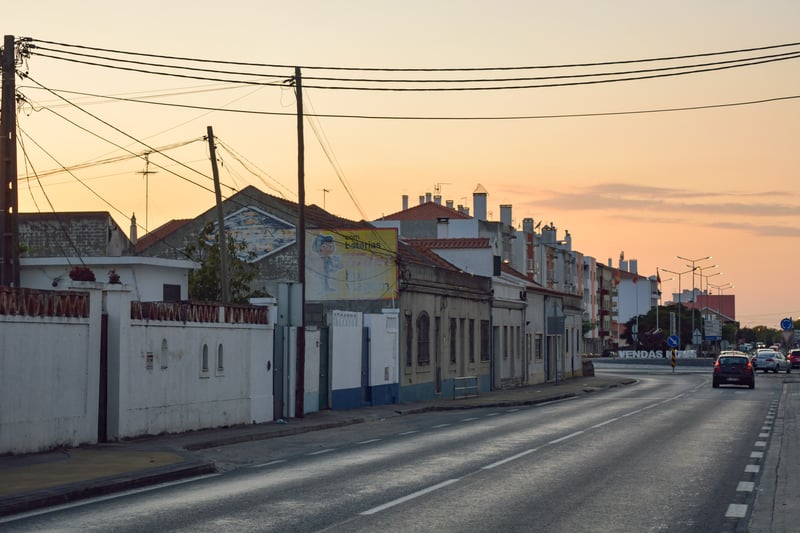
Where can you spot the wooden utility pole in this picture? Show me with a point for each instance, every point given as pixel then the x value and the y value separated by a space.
pixel 301 249
pixel 9 199
pixel 223 247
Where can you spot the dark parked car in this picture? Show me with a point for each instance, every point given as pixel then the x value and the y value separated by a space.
pixel 733 368
pixel 794 357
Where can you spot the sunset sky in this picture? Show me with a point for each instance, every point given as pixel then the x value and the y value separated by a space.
pixel 692 165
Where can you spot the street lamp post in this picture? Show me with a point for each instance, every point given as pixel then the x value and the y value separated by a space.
pixel 705 294
pixel 680 295
pixel 693 261
pixel 658 302
pixel 720 288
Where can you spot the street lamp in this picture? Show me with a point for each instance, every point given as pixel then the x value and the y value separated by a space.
pixel 693 261
pixel 658 302
pixel 720 288
pixel 705 294
pixel 680 295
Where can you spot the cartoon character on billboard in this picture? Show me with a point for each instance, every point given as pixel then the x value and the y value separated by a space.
pixel 325 248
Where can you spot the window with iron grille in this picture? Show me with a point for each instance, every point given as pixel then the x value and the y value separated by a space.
pixel 423 339
pixel 409 341
pixel 453 332
pixel 471 340
pixel 486 339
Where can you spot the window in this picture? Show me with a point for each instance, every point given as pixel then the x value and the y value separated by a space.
pixel 505 342
pixel 538 348
pixel 220 361
pixel 453 332
pixel 204 362
pixel 409 341
pixel 462 343
pixel 485 340
pixel 423 339
pixel 471 340
pixel 172 293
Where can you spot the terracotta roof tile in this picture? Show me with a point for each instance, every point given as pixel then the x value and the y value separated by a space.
pixel 159 233
pixel 451 244
pixel 426 211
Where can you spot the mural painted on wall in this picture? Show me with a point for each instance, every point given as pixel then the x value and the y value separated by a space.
pixel 263 233
pixel 351 264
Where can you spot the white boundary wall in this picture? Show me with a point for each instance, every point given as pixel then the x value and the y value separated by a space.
pixel 49 380
pixel 50 375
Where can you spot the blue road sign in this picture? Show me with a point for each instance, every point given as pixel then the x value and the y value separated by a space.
pixel 786 324
pixel 673 341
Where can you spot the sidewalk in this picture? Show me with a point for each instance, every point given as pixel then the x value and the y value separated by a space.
pixel 33 481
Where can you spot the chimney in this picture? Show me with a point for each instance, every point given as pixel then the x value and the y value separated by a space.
pixel 437 199
pixel 634 266
pixel 449 203
pixel 421 200
pixel 134 237
pixel 479 202
pixel 428 197
pixel 505 214
pixel 405 202
pixel 527 225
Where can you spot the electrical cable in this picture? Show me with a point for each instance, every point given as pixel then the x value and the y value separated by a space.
pixel 28 40
pixel 719 66
pixel 787 55
pixel 446 118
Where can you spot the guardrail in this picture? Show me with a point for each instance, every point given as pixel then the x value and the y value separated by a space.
pixel 465 387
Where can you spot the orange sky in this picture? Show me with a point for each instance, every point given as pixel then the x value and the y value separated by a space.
pixel 718 181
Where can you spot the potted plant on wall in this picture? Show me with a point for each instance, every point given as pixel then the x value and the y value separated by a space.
pixel 113 277
pixel 81 273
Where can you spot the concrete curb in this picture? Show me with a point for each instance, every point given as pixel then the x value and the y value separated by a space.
pixel 102 486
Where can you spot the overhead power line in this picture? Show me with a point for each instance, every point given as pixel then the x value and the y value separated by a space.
pixel 432 117
pixel 422 85
pixel 452 69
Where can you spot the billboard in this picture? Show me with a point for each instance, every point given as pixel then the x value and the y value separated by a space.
pixel 351 264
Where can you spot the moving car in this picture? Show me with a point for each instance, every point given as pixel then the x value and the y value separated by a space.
pixel 766 360
pixel 794 357
pixel 733 368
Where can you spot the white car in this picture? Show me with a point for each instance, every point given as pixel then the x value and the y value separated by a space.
pixel 766 360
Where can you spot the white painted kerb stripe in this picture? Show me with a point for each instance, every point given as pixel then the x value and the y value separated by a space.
pixel 736 510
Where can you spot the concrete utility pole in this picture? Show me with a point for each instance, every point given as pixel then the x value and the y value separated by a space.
pixel 9 199
pixel 223 247
pixel 301 249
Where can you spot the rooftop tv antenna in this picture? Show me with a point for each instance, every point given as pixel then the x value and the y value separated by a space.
pixel 146 173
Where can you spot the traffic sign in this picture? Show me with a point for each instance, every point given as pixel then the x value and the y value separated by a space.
pixel 787 324
pixel 673 341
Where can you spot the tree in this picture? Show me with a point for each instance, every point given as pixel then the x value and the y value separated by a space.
pixel 205 284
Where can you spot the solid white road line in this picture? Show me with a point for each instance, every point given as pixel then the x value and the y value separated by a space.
pixel 411 496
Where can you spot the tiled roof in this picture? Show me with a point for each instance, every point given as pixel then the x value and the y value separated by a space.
pixel 452 244
pixel 418 253
pixel 159 233
pixel 426 211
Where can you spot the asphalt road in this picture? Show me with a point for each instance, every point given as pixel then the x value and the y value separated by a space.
pixel 668 454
